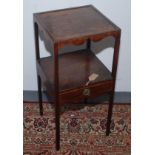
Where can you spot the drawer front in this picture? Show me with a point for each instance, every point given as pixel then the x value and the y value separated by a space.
pixel 91 91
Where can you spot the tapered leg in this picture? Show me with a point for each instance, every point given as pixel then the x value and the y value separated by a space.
pixel 40 95
pixel 114 70
pixel 36 33
pixel 110 109
pixel 57 122
pixel 57 107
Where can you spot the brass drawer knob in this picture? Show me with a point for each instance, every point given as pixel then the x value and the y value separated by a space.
pixel 86 92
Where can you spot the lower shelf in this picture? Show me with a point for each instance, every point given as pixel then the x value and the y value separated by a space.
pixel 74 70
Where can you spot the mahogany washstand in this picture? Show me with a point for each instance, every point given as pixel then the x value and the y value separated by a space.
pixel 64 75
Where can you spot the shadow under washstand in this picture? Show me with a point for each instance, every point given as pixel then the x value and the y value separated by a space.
pixel 70 106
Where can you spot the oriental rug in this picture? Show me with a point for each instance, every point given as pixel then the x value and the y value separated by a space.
pixel 82 130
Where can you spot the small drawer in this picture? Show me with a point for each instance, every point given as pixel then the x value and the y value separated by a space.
pixel 90 91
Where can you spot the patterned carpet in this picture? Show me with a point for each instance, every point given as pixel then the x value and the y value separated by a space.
pixel 82 130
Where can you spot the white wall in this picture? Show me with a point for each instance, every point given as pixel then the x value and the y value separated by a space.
pixel 116 10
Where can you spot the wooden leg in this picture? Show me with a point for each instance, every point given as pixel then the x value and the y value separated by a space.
pixel 111 101
pixel 114 70
pixel 57 123
pixel 36 33
pixel 40 95
pixel 57 107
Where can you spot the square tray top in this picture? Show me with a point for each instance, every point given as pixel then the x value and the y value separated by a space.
pixel 74 23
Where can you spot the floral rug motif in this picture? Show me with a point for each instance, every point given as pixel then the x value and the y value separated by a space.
pixel 82 130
